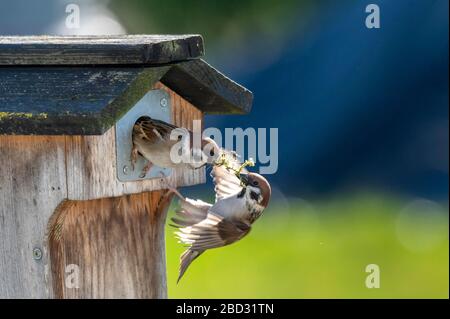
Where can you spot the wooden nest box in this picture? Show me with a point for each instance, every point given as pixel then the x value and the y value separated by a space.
pixel 76 221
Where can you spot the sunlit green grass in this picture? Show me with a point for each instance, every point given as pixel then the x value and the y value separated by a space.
pixel 320 250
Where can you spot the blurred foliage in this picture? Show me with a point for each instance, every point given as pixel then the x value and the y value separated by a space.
pixel 319 249
pixel 230 21
pixel 306 250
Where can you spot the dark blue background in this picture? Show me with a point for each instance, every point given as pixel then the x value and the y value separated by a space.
pixel 358 107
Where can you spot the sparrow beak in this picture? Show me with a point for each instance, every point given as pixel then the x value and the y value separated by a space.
pixel 244 179
pixel 203 165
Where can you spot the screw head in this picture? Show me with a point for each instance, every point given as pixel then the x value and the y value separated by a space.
pixel 126 170
pixel 163 102
pixel 37 254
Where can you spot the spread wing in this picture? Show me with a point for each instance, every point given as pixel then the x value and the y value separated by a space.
pixel 201 229
pixel 191 212
pixel 212 232
pixel 153 130
pixel 225 180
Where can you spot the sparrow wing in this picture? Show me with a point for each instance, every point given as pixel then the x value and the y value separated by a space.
pixel 191 211
pixel 186 259
pixel 201 229
pixel 153 130
pixel 212 232
pixel 225 180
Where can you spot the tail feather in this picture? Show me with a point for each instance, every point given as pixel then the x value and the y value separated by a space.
pixel 186 259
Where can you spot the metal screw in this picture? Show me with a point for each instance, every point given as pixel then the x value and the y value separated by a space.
pixel 37 254
pixel 126 170
pixel 163 102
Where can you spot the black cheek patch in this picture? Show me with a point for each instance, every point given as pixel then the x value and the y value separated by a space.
pixel 254 195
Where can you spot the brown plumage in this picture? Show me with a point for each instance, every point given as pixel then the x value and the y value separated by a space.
pixel 239 202
pixel 152 140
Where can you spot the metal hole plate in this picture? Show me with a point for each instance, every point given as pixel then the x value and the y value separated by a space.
pixel 155 104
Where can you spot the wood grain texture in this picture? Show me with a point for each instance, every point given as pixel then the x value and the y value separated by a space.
pixel 113 231
pixel 32 184
pixel 117 245
pixel 208 89
pixel 99 50
pixel 91 161
pixel 68 100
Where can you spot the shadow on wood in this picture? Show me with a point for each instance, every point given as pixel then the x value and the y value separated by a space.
pixel 109 247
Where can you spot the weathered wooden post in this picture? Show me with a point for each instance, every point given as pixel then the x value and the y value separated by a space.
pixel 76 221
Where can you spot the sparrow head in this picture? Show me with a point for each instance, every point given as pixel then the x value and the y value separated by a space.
pixel 210 152
pixel 258 187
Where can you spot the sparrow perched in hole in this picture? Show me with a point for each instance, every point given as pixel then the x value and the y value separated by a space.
pixel 152 140
pixel 240 201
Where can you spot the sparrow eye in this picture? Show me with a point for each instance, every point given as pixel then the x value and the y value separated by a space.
pixel 180 137
pixel 211 153
pixel 255 183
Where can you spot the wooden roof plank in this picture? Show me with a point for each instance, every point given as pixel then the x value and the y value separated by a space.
pixel 69 101
pixel 82 85
pixel 208 89
pixel 94 50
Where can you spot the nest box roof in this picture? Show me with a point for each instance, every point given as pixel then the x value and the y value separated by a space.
pixel 82 85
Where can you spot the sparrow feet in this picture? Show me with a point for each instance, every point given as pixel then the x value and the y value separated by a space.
pixel 167 197
pixel 145 170
pixel 133 156
pixel 170 190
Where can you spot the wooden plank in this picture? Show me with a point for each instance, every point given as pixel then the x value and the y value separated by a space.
pixel 91 161
pixel 115 246
pixel 67 100
pixel 99 50
pixel 208 89
pixel 89 100
pixel 32 184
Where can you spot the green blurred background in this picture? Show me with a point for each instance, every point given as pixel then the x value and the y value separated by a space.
pixel 321 250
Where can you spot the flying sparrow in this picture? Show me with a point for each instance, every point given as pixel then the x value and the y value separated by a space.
pixel 154 140
pixel 240 200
